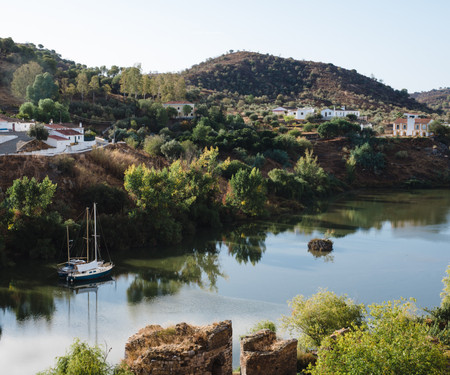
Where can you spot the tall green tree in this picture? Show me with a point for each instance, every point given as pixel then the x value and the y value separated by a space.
pixel 30 197
pixel 94 86
pixel 82 84
pixel 42 88
pixel 23 77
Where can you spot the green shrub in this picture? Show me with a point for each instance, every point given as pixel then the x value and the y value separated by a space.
pixel 304 360
pixel 65 164
pixel 337 128
pixel 172 149
pixel 263 324
pixel 391 342
pixel 83 359
pixel 295 132
pixel 309 170
pixel 316 317
pixel 153 143
pixel 278 156
pixel 286 185
pixel 248 192
pixel 231 167
pixel 308 127
pixel 368 158
pixel 401 154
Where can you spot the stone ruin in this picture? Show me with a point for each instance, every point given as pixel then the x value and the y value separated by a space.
pixel 182 350
pixel 207 350
pixel 262 353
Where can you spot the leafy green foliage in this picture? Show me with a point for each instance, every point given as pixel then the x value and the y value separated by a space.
pixel 43 87
pixel 337 128
pixel 320 315
pixel 172 149
pixel 308 169
pixel 153 144
pixel 391 342
pixel 445 295
pixel 38 131
pixel 231 167
pixel 23 77
pixel 286 185
pixel 30 197
pixel 84 359
pixel 263 324
pixel 366 157
pixel 248 192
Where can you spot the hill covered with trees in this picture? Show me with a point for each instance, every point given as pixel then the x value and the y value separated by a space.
pixel 439 100
pixel 250 73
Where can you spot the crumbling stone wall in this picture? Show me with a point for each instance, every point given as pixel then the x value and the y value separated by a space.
pixel 182 350
pixel 263 354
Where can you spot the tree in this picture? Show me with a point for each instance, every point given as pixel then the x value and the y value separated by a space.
pixel 171 112
pixel 146 85
pixel 39 132
pixel 42 88
pixel 82 84
pixel 83 359
pixel 94 86
pixel 391 342
pixel 445 295
pixel 439 129
pixel 30 197
pixel 336 128
pixel 27 110
pixel 320 315
pixel 23 77
pixel 309 170
pixel 248 192
pixel 187 109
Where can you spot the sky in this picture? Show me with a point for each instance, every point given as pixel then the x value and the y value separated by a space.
pixel 405 43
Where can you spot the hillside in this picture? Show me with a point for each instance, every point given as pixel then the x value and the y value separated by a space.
pixel 250 73
pixel 435 99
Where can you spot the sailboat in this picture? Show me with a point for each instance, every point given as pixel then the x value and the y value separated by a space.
pixel 82 269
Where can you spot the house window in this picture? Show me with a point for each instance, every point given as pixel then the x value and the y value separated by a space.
pixel 404 126
pixel 398 126
pixel 417 126
pixel 424 127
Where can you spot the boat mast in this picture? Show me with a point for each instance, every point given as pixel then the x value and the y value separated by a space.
pixel 95 230
pixel 87 234
pixel 68 248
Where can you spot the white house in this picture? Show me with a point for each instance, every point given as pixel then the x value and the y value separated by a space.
pixel 280 111
pixel 8 124
pixel 328 113
pixel 74 135
pixel 178 105
pixel 303 112
pixel 412 126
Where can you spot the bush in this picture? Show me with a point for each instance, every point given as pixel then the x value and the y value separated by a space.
pixel 366 157
pixel 230 168
pixel 316 317
pixel 83 359
pixel 172 149
pixel 337 128
pixel 65 164
pixel 248 192
pixel 264 324
pixel 278 156
pixel 391 342
pixel 285 184
pixel 308 127
pixel 153 143
pixel 308 169
pixel 295 132
pixel 401 154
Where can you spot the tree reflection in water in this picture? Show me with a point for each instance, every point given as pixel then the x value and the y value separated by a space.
pixel 165 276
pixel 27 303
pixel 247 243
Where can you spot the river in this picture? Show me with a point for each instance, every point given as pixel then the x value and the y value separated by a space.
pixel 387 245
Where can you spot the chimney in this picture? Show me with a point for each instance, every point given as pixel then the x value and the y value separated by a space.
pixel 81 125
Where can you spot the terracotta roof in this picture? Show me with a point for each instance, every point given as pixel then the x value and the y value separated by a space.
pixel 58 138
pixel 423 120
pixel 55 126
pixel 401 121
pixel 179 102
pixel 69 132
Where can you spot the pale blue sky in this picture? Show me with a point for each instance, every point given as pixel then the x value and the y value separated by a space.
pixel 403 42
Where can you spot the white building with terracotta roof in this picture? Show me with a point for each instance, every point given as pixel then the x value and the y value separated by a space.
pixel 178 105
pixel 329 114
pixel 412 126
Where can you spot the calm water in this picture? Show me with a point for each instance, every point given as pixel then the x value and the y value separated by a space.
pixel 386 246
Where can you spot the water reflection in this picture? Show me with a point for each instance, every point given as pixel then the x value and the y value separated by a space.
pixel 246 243
pixel 164 276
pixel 164 271
pixel 25 303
